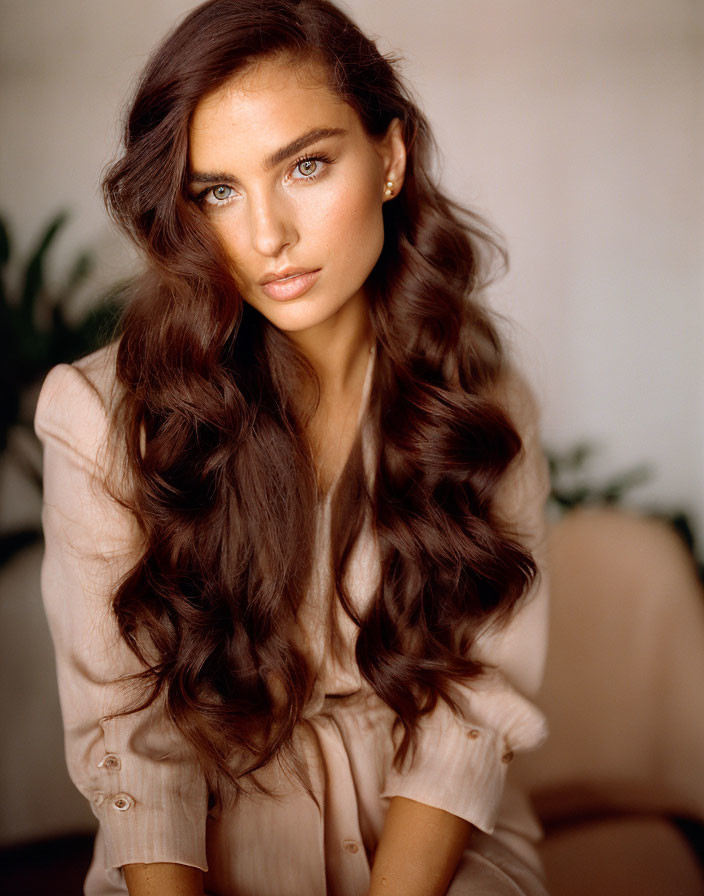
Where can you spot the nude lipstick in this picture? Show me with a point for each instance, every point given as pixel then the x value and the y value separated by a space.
pixel 291 285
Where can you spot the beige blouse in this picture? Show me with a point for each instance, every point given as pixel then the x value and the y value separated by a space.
pixel 143 781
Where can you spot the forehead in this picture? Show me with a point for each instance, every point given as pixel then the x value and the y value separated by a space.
pixel 271 103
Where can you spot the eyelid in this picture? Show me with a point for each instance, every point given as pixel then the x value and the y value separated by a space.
pixel 201 197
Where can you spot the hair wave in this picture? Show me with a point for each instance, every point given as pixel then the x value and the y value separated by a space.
pixel 221 474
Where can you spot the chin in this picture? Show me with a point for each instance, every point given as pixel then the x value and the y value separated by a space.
pixel 295 316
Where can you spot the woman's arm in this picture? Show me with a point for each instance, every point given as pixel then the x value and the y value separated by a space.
pixel 419 849
pixel 141 777
pixel 461 762
pixel 163 879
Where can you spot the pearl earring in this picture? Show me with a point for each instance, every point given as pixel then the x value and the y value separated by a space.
pixel 389 191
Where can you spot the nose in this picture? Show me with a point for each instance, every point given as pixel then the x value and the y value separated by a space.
pixel 271 224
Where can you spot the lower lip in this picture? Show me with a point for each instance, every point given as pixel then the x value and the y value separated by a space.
pixel 290 288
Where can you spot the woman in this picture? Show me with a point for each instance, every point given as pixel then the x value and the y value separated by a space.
pixel 293 513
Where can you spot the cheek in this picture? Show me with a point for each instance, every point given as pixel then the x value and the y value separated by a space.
pixel 231 234
pixel 352 222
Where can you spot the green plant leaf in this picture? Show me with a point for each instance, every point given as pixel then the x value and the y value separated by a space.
pixel 615 489
pixel 34 287
pixel 5 242
pixel 82 268
pixel 12 543
pixel 98 326
pixel 5 249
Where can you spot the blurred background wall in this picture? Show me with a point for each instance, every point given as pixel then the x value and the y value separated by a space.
pixel 578 129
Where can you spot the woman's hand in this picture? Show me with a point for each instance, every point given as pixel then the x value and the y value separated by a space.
pixel 163 879
pixel 419 850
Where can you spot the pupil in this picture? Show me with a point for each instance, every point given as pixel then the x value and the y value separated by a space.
pixel 308 166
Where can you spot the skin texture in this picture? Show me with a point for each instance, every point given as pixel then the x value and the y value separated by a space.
pixel 419 849
pixel 300 214
pixel 163 879
pixel 417 855
pixel 284 217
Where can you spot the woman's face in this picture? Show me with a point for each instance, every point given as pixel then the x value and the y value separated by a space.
pixel 292 184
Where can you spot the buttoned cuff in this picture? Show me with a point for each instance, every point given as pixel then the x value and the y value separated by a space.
pixel 460 764
pixel 150 812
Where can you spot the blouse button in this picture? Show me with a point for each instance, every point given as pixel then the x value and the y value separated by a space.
pixel 473 733
pixel 351 845
pixel 122 802
pixel 110 761
pixel 508 756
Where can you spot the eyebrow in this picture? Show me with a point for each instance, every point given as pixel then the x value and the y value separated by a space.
pixel 276 158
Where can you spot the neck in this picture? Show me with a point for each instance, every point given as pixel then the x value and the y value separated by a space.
pixel 339 348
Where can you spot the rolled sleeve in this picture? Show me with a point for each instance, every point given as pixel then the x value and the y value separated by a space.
pixel 461 761
pixel 141 777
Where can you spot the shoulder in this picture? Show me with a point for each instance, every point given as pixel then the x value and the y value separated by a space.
pixel 517 397
pixel 520 647
pixel 75 402
pixel 98 369
pixel 525 485
pixel 512 392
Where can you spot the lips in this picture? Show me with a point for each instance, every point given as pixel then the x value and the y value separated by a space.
pixel 284 274
pixel 291 285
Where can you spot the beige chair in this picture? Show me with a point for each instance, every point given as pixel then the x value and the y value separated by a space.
pixel 624 693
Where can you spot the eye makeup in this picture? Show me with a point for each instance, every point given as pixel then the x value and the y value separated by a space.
pixel 208 197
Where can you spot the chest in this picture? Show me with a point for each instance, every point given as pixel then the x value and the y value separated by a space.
pixel 331 435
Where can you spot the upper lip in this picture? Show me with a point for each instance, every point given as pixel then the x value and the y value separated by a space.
pixel 286 272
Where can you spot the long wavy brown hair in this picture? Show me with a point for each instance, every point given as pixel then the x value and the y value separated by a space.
pixel 221 474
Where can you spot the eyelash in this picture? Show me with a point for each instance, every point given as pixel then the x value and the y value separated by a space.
pixel 318 157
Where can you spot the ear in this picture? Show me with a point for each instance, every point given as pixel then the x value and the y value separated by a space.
pixel 392 150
